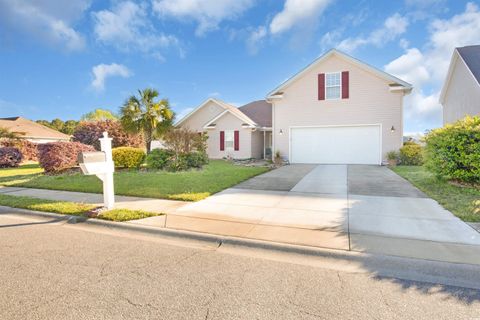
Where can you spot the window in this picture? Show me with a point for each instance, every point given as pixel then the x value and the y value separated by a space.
pixel 333 85
pixel 229 139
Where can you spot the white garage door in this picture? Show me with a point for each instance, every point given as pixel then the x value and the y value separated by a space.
pixel 336 145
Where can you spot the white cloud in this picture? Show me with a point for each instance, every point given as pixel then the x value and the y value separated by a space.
pixel 47 21
pixel 103 71
pixel 207 13
pixel 182 114
pixel 254 39
pixel 393 26
pixel 127 27
pixel 426 68
pixel 297 12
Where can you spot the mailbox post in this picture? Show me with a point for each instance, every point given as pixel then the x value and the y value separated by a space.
pixel 101 165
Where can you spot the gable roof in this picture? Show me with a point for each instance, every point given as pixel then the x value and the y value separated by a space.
pixel 470 55
pixel 228 108
pixel 259 111
pixel 31 129
pixel 382 74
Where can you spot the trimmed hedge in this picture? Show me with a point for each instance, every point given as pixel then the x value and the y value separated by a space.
pixel 58 156
pixel 166 159
pixel 454 150
pixel 89 133
pixel 411 154
pixel 10 157
pixel 128 157
pixel 28 149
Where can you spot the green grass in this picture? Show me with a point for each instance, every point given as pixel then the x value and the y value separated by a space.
pixel 458 200
pixel 125 215
pixel 190 185
pixel 70 208
pixel 61 207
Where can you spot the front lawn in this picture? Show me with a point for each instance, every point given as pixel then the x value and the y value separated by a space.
pixel 459 200
pixel 192 185
pixel 71 208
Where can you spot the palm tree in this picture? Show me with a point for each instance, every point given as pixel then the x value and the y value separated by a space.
pixel 143 114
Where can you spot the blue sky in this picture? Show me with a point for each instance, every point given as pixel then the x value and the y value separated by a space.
pixel 65 58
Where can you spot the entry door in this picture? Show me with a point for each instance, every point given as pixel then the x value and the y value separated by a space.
pixel 336 145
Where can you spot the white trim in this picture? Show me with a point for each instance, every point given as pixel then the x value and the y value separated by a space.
pixel 334 126
pixel 215 118
pixel 238 113
pixel 361 64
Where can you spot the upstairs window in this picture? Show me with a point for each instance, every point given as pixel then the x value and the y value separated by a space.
pixel 333 85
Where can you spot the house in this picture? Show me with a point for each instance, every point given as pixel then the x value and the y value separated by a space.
pixel 239 133
pixel 460 95
pixel 32 131
pixel 337 110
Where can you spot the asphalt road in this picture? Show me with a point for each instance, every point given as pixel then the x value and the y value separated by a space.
pixel 53 270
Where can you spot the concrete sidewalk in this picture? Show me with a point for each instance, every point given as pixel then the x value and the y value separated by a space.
pixel 122 202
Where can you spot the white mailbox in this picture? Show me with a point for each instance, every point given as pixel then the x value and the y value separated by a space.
pixel 100 163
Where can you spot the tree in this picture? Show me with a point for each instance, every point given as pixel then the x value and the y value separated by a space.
pixel 69 127
pixel 143 114
pixel 45 123
pixel 57 124
pixel 99 115
pixel 7 134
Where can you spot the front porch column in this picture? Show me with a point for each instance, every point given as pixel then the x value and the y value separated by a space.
pixel 264 148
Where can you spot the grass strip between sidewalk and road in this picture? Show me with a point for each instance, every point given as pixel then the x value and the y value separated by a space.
pixel 71 208
pixel 460 200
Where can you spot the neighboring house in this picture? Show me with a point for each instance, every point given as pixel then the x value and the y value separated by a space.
pixel 338 110
pixel 239 133
pixel 460 94
pixel 32 131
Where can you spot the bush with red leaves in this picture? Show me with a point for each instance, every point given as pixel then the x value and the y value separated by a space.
pixel 58 156
pixel 10 157
pixel 89 132
pixel 28 149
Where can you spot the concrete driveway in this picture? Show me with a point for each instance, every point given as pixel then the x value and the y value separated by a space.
pixel 350 207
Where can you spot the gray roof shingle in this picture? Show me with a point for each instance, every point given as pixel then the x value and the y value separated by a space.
pixel 471 56
pixel 259 111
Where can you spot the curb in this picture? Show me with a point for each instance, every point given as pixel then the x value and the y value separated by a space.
pixel 216 240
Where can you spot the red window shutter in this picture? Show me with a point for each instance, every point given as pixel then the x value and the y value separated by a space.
pixel 222 140
pixel 345 85
pixel 321 86
pixel 236 140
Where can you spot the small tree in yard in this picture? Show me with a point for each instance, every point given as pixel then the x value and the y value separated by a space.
pixel 143 114
pixel 88 132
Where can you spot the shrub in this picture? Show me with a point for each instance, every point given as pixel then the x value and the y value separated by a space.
pixel 196 159
pixel 57 156
pixel 411 154
pixel 183 141
pixel 89 132
pixel 10 157
pixel 28 149
pixel 128 157
pixel 454 150
pixel 159 158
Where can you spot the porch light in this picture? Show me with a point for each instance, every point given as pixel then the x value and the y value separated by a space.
pixel 280 132
pixel 392 129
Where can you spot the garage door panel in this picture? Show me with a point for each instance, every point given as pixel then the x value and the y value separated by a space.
pixel 336 145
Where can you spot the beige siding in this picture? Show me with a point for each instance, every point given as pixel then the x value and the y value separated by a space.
pixel 229 122
pixel 257 144
pixel 203 115
pixel 462 96
pixel 370 102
